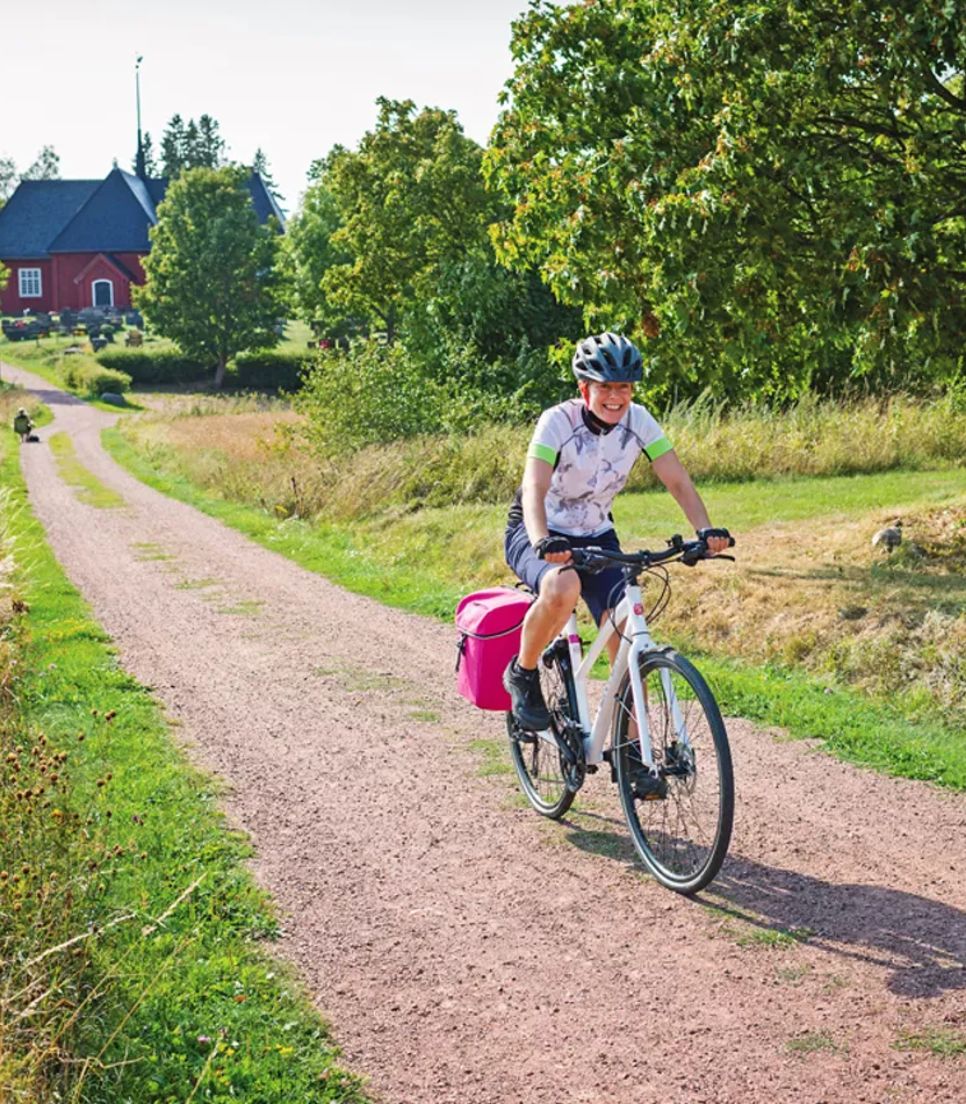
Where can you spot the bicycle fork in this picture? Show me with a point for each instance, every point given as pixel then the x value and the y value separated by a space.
pixel 636 643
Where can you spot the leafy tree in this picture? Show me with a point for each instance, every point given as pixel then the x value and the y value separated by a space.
pixel 310 252
pixel 4 273
pixel 212 284
pixel 409 198
pixel 191 145
pixel 8 178
pixel 767 193
pixel 46 166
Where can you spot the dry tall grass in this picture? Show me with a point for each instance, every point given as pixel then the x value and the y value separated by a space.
pixel 247 453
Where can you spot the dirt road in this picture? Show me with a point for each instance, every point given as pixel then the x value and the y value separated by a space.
pixel 466 951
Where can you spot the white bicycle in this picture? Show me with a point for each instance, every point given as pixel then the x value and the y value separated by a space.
pixel 668 751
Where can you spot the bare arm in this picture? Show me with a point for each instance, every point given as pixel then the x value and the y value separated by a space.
pixel 536 482
pixel 672 473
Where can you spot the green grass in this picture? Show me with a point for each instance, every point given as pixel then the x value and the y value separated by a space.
pixel 86 485
pixel 165 993
pixel 424 563
pixel 743 506
pixel 873 733
pixel 945 1042
pixel 748 930
pixel 811 1042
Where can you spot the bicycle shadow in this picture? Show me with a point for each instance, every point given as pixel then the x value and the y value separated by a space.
pixel 920 941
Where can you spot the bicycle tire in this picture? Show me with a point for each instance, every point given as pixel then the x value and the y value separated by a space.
pixel 538 762
pixel 680 822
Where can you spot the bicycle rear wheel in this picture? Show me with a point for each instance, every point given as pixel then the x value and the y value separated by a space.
pixel 537 757
pixel 681 820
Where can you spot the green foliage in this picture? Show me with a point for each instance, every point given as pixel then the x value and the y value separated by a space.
pixel 4 271
pixel 191 145
pixel 767 194
pixel 8 178
pixel 92 379
pixel 46 166
pixel 268 370
pixel 153 365
pixel 393 238
pixel 212 284
pixel 376 393
pixel 147 149
pixel 410 198
pixel 373 394
pixel 308 253
pixel 261 369
pixel 106 830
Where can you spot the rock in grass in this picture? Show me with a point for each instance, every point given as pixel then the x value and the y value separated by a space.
pixel 113 398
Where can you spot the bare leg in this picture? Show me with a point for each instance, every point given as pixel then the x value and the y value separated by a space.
pixel 559 591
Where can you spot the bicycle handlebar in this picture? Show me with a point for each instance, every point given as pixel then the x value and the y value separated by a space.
pixel 688 552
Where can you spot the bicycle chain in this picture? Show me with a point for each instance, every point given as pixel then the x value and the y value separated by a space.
pixel 573 760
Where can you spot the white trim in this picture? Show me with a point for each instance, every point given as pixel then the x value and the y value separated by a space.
pixel 27 279
pixel 94 283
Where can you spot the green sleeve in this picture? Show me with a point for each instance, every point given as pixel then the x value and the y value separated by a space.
pixel 542 452
pixel 658 448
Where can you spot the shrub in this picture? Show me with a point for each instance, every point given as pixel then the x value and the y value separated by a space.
pixel 94 379
pixel 268 370
pixel 373 393
pixel 147 365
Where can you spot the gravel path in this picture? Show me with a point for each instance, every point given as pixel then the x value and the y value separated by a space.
pixel 468 952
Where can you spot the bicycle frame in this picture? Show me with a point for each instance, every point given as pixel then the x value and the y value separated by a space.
pixel 636 641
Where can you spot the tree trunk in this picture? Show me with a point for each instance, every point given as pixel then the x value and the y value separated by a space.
pixel 220 372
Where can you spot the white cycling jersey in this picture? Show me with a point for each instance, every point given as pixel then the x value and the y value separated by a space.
pixel 590 465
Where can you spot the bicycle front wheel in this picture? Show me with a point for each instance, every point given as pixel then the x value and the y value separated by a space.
pixel 537 756
pixel 680 819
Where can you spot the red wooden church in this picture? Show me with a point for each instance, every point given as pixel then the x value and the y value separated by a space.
pixel 79 243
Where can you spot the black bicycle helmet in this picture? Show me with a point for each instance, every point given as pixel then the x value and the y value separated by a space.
pixel 608 358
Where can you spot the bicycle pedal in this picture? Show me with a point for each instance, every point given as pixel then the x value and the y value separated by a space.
pixel 648 788
pixel 522 736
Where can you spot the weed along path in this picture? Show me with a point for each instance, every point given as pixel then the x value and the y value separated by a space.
pixel 467 952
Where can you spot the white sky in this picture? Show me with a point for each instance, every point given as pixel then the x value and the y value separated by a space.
pixel 292 76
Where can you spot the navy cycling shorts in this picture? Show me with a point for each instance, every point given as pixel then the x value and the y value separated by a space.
pixel 601 592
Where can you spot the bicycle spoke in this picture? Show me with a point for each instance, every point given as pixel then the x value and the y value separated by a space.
pixel 681 821
pixel 538 761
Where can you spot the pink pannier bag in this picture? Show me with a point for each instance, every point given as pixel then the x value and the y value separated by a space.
pixel 489 624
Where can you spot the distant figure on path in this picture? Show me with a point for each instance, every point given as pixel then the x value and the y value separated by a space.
pixel 22 424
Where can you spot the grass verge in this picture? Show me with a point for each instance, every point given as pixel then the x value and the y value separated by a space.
pixel 402 561
pixel 130 929
pixel 85 484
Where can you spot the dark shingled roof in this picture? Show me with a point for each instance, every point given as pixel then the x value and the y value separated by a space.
pixel 94 216
pixel 115 219
pixel 36 211
pixel 264 201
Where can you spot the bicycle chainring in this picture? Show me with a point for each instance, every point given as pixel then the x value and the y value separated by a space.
pixel 572 759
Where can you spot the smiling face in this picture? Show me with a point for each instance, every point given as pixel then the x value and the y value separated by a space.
pixel 607 401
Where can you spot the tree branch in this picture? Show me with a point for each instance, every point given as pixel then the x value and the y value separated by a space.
pixel 941 90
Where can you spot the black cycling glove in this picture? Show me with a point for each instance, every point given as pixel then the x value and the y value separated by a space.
pixel 550 545
pixel 703 534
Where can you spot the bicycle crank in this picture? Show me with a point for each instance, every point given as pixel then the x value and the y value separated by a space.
pixel 572 758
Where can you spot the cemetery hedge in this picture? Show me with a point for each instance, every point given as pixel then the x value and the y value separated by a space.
pixel 261 369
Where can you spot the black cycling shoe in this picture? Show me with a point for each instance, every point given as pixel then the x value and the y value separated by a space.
pixel 528 707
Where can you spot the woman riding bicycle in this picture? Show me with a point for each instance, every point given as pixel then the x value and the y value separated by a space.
pixel 580 456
